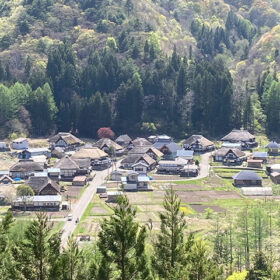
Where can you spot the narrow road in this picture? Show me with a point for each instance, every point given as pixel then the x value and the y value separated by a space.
pixel 81 205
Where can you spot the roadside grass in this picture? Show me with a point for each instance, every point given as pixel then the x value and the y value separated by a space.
pixel 57 227
pixel 82 191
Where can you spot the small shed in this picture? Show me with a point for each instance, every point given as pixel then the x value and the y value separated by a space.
pixel 112 195
pixel 101 189
pixel 255 163
pixel 260 155
pixel 79 181
pixel 20 144
pixel 247 178
pixel 4 147
pixel 273 148
pixel 275 177
pixel 256 191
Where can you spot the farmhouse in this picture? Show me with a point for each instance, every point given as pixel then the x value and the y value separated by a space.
pixel 58 152
pixel 65 140
pixel 198 144
pixel 185 154
pixel 68 167
pixel 131 159
pixel 124 140
pixel 54 173
pixel 260 155
pixel 149 150
pixel 20 144
pixel 140 167
pixel 229 156
pixel 244 137
pixel 247 178
pixel 5 179
pixel 84 165
pixel 117 174
pixel 38 202
pixel 105 144
pixel 255 163
pixel 141 142
pixel 272 148
pixel 171 166
pixel 43 186
pixel 24 169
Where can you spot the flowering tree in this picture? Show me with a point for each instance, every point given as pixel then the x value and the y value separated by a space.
pixel 105 132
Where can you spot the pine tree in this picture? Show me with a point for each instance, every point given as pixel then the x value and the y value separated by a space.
pixel 122 245
pixel 169 248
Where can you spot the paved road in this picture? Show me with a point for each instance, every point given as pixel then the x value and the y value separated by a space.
pixel 81 205
pixel 204 165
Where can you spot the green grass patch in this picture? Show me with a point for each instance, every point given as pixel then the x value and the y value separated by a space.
pixel 82 191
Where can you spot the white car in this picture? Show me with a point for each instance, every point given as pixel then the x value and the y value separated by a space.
pixel 69 217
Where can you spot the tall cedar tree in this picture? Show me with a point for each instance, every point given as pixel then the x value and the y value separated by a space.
pixel 122 245
pixel 169 248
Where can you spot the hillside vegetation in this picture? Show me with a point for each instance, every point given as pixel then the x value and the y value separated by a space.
pixel 166 65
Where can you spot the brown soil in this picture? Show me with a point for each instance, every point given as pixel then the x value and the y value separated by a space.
pixel 201 208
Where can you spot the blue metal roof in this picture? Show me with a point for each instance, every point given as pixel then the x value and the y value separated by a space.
pixel 260 154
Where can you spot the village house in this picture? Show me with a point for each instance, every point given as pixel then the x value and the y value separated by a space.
pixel 79 181
pixel 32 152
pixel 68 168
pixel 171 166
pixel 65 140
pixel 260 156
pixel 141 142
pixel 198 144
pixel 273 148
pixel 135 182
pixel 131 159
pixel 38 202
pixel 185 154
pixel 106 144
pixel 244 137
pixel 101 189
pixel 5 179
pixel 117 174
pixel 169 150
pixel 275 177
pixel 54 173
pixel 124 140
pixel 24 169
pixel 42 185
pixel 149 150
pixel 84 165
pixel 189 170
pixel 20 144
pixel 140 167
pixel 229 156
pixel 254 163
pixel 247 178
pixel 58 152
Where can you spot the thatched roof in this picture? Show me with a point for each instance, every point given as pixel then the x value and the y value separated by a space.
pixel 140 150
pixel 141 142
pixel 26 166
pixel 133 158
pixel 150 161
pixel 247 175
pixel 67 137
pixel 222 152
pixel 66 163
pixel 83 163
pixel 204 142
pixel 172 147
pixel 238 136
pixel 91 153
pixel 106 142
pixel 123 139
pixel 39 183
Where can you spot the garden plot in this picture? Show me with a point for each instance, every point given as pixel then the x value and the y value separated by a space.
pixel 187 187
pixel 201 208
pixel 206 196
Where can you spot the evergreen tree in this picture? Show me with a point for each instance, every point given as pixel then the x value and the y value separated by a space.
pixel 122 245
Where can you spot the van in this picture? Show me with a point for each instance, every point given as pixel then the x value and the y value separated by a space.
pixel 69 217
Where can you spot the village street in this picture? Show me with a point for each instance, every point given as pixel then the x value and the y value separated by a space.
pixel 81 205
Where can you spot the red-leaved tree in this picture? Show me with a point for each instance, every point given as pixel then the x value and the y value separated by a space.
pixel 105 132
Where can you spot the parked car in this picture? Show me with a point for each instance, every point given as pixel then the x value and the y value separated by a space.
pixel 69 217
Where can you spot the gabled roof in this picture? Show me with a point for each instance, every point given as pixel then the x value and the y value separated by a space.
pixel 147 159
pixel 91 153
pixel 172 147
pixel 83 163
pixel 123 139
pixel 2 178
pixel 109 143
pixel 67 137
pixel 272 145
pixel 184 153
pixel 133 158
pixel 38 184
pixel 247 175
pixel 66 163
pixel 141 142
pixel 145 149
pixel 237 135
pixel 260 154
pixel 26 166
pixel 140 163
pixel 204 142
pixel 222 152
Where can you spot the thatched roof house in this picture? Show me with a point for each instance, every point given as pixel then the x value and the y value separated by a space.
pixel 92 153
pixel 141 142
pixel 149 150
pixel 68 167
pixel 198 143
pixel 65 140
pixel 25 168
pixel 105 144
pixel 43 186
pixel 245 137
pixel 123 140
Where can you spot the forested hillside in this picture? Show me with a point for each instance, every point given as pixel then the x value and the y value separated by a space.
pixel 164 65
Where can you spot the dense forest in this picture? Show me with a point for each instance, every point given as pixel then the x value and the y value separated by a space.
pixel 151 66
pixel 243 248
